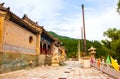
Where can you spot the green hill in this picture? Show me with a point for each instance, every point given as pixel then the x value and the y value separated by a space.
pixel 71 45
pixel 58 36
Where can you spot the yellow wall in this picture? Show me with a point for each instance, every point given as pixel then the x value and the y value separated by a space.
pixel 1 31
pixel 16 39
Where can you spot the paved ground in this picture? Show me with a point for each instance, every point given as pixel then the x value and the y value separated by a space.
pixel 72 70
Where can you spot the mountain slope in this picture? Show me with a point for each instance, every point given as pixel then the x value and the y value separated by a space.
pixel 69 43
pixel 58 36
pixel 72 49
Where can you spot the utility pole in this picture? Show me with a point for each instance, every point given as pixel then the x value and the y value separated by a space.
pixel 84 30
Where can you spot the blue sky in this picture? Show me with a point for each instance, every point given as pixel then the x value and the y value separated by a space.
pixel 65 16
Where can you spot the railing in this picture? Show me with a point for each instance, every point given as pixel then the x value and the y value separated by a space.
pixel 108 69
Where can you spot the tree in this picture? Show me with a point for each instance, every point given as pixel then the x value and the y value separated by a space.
pixel 72 50
pixel 106 43
pixel 114 44
pixel 118 6
pixel 100 50
pixel 112 33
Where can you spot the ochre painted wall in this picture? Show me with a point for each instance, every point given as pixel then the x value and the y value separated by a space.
pixel 16 39
pixel 1 31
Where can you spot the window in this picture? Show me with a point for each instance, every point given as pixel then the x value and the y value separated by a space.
pixel 30 39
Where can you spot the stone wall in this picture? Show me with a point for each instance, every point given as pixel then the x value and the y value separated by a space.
pixel 44 60
pixel 18 39
pixel 16 61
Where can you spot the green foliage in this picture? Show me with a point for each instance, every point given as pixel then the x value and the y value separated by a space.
pixel 118 6
pixel 111 46
pixel 112 33
pixel 72 49
pixel 101 51
pixel 69 43
pixel 114 43
pixel 106 43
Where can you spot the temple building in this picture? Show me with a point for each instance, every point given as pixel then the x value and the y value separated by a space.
pixel 23 42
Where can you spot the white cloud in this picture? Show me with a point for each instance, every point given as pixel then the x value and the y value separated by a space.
pixel 36 9
pixel 53 15
pixel 95 25
pixel 98 24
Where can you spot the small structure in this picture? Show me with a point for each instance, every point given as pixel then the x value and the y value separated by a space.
pixel 92 51
pixel 87 60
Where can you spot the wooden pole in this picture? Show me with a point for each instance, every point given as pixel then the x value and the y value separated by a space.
pixel 84 29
